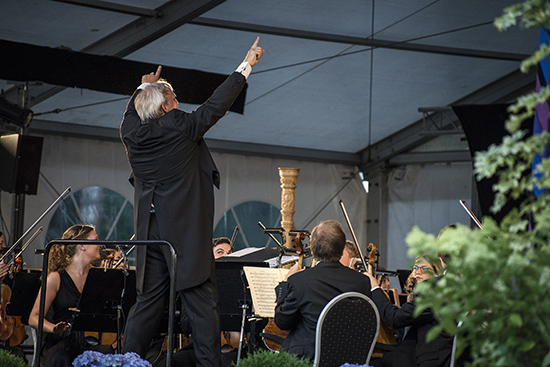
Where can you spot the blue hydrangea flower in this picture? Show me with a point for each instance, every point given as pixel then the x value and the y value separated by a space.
pixel 95 359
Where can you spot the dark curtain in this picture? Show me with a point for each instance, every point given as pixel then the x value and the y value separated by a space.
pixel 483 126
pixel 60 66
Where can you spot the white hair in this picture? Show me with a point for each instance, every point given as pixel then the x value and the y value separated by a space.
pixel 149 101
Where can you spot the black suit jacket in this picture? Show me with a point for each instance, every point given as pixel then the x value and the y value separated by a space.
pixel 173 169
pixel 301 299
pixel 413 350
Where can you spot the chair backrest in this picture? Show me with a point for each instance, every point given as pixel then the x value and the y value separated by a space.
pixel 346 331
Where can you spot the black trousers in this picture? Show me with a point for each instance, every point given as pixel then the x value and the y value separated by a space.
pixel 200 303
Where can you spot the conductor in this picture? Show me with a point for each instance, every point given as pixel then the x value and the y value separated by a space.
pixel 173 175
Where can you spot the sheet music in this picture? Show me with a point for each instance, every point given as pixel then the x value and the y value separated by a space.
pixel 284 260
pixel 262 283
pixel 244 251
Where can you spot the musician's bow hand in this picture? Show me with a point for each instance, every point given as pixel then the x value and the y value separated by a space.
pixel 62 329
pixel 373 281
pixel 293 270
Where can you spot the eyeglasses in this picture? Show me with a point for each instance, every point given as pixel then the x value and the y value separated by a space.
pixel 421 269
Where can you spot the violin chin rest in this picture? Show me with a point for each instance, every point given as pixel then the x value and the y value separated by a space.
pixel 91 340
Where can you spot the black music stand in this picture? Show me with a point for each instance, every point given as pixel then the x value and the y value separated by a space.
pixel 25 286
pixel 107 295
pixel 403 275
pixel 234 295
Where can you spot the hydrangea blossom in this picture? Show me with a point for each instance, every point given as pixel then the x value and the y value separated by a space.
pixel 96 359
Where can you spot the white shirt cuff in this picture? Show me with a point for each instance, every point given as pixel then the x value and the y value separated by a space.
pixel 372 289
pixel 143 85
pixel 244 68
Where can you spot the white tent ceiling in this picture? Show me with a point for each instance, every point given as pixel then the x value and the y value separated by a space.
pixel 310 95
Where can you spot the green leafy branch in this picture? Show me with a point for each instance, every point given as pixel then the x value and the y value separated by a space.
pixel 496 281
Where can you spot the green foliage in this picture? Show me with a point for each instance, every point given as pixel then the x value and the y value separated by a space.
pixel 497 284
pixel 266 358
pixel 498 279
pixel 9 360
pixel 529 14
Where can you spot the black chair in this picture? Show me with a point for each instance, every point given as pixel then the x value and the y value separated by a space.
pixel 346 331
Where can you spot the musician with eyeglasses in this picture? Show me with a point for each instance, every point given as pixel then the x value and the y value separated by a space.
pixel 413 350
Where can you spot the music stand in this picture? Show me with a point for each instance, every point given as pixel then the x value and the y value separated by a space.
pixel 24 290
pixel 234 295
pixel 107 295
pixel 231 294
pixel 403 275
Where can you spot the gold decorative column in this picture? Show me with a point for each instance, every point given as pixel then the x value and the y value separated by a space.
pixel 289 178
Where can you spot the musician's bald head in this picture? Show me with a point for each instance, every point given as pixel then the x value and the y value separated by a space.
pixel 328 241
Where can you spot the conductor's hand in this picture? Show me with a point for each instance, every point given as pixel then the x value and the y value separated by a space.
pixel 153 77
pixel 254 54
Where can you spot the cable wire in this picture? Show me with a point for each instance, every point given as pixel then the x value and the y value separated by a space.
pixel 371 82
pixel 344 53
pixel 369 48
pixel 58 110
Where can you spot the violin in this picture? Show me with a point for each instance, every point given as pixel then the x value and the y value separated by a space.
pixel 18 333
pixel 385 334
pixel 372 262
pixel 18 264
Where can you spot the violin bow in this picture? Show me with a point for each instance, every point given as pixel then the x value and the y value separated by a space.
pixel 471 213
pixel 234 237
pixel 352 233
pixel 38 231
pixel 14 246
pixel 124 256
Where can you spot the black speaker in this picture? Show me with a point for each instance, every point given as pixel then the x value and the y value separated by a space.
pixel 20 157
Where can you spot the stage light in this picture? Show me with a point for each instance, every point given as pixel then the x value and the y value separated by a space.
pixel 365 182
pixel 11 113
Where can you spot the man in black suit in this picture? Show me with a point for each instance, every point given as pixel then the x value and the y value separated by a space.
pixel 173 176
pixel 302 296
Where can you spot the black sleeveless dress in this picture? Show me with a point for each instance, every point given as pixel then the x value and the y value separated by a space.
pixel 59 350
